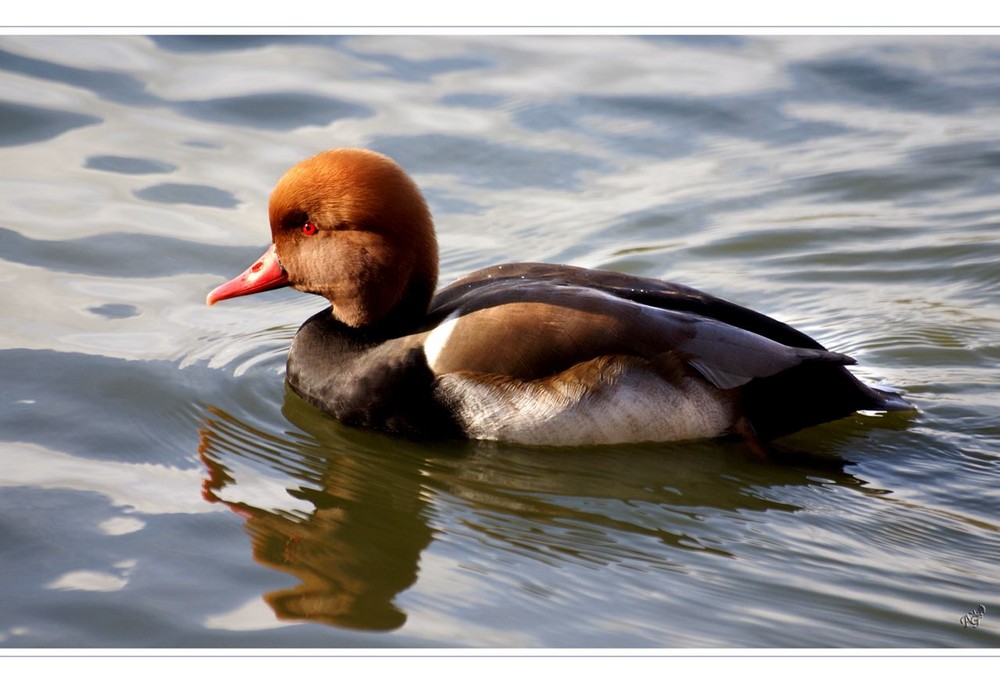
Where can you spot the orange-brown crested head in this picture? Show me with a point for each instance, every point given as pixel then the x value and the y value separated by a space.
pixel 350 225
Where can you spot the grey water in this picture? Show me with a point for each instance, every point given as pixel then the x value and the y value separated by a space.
pixel 159 487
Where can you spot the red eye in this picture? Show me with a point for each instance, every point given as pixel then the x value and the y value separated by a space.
pixel 309 228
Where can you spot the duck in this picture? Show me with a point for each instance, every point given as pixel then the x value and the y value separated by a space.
pixel 527 353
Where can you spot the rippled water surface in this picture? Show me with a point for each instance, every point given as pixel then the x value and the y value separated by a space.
pixel 160 488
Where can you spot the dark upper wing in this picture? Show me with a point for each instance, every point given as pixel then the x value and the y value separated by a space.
pixel 484 287
pixel 533 320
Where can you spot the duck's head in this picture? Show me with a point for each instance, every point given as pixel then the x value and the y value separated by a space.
pixel 349 225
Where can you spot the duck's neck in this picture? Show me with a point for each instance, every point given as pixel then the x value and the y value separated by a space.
pixel 404 318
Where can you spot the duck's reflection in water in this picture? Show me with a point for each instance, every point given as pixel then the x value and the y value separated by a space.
pixel 348 513
pixel 352 542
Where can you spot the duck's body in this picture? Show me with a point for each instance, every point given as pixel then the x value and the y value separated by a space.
pixel 527 353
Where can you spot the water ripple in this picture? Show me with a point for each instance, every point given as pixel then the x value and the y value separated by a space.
pixel 26 124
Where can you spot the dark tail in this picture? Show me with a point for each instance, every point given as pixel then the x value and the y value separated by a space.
pixel 811 394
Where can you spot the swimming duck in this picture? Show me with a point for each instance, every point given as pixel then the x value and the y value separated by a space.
pixel 528 353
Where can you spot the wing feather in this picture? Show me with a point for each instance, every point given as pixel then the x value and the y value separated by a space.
pixel 539 328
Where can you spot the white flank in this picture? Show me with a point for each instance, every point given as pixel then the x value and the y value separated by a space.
pixel 636 406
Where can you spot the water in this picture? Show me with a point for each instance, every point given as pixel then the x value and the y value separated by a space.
pixel 159 487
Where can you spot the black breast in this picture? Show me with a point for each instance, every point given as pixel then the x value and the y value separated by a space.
pixel 367 379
